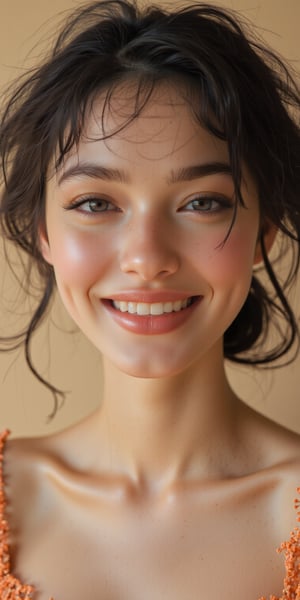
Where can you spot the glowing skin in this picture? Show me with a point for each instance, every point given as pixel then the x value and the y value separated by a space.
pixel 159 239
pixel 173 488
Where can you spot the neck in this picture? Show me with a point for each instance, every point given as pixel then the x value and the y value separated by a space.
pixel 167 429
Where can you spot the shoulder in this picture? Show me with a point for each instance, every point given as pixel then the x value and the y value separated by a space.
pixel 272 444
pixel 30 464
pixel 27 466
pixel 277 451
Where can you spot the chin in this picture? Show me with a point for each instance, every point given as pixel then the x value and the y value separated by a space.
pixel 150 368
pixel 145 371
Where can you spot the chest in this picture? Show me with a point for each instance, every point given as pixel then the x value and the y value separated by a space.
pixel 181 551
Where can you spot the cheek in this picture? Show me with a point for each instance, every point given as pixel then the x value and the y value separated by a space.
pixel 238 252
pixel 228 262
pixel 78 257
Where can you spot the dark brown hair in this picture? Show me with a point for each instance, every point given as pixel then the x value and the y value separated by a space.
pixel 239 90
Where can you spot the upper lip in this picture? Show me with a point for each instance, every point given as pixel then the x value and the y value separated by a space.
pixel 150 296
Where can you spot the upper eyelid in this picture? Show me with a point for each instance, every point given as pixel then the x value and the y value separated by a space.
pixel 218 197
pixel 210 194
pixel 76 202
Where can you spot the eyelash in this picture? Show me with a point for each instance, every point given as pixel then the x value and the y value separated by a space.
pixel 77 204
pixel 221 202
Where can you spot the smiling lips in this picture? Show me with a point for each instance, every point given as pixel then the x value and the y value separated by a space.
pixel 151 318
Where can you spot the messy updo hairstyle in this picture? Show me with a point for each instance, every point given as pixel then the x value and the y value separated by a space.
pixel 237 89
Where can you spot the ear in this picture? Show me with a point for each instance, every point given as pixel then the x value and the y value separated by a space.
pixel 267 234
pixel 44 244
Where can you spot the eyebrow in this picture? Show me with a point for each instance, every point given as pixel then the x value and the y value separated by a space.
pixel 96 171
pixel 196 171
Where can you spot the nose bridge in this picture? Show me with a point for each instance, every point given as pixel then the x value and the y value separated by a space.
pixel 148 248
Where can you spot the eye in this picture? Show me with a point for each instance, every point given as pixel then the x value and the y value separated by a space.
pixel 92 204
pixel 207 203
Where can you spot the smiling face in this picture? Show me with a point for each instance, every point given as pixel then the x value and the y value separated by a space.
pixel 135 225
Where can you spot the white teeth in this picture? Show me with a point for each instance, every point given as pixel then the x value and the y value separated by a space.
pixel 131 307
pixel 154 308
pixel 157 308
pixel 142 308
pixel 168 307
pixel 122 306
pixel 177 305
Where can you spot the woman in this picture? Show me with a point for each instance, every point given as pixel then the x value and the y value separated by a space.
pixel 148 165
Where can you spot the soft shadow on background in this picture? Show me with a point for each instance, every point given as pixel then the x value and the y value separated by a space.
pixel 67 358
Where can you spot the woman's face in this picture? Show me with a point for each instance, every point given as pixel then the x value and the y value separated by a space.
pixel 135 225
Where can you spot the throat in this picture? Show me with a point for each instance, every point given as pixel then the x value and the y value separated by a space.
pixel 161 431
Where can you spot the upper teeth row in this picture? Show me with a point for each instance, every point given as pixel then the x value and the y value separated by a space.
pixel 155 308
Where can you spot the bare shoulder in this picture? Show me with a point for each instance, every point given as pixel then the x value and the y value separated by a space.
pixel 275 444
pixel 23 452
pixel 285 447
pixel 288 492
pixel 39 448
pixel 29 463
pixel 277 451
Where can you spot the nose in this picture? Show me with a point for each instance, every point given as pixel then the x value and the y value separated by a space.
pixel 149 249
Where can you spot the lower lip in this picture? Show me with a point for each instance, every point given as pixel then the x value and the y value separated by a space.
pixel 150 324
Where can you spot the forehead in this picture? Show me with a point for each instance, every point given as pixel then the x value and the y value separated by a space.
pixel 165 128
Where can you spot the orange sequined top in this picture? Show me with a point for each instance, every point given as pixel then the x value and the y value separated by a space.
pixel 12 589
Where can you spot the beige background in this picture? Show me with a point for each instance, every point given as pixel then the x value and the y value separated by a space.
pixel 66 358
